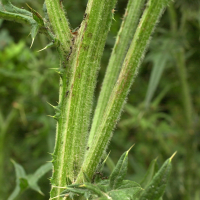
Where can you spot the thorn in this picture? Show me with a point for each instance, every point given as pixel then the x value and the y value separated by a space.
pixel 54 197
pixel 32 42
pixel 49 45
pixel 51 116
pixel 29 34
pixel 41 192
pixel 113 18
pixel 52 105
pixel 42 49
pixel 55 107
pixel 130 148
pixel 29 7
pixel 113 12
pixel 173 155
pixel 106 157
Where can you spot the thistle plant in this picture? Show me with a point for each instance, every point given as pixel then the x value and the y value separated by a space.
pixel 81 142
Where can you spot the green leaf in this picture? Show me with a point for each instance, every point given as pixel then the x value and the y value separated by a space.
pixel 33 178
pixel 36 16
pixel 86 178
pixel 85 189
pixel 158 184
pixel 119 171
pixel 93 188
pixel 13 9
pixel 104 185
pixel 24 181
pixel 34 30
pixel 21 180
pixel 150 173
pixel 128 190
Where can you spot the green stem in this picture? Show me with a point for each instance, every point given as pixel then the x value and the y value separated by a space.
pixel 124 37
pixel 131 63
pixel 76 102
pixel 59 24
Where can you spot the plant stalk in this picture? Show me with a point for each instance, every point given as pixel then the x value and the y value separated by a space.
pixel 132 61
pixel 125 35
pixel 77 91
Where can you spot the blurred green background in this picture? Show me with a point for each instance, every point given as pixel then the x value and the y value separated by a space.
pixel 161 115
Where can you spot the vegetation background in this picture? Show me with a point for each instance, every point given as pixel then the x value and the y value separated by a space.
pixel 161 115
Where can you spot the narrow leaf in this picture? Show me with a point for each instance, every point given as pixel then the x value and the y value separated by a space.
pixel 94 189
pixel 36 16
pixel 157 186
pixel 127 190
pixel 13 9
pixel 34 178
pixel 21 180
pixel 34 30
pixel 150 173
pixel 119 172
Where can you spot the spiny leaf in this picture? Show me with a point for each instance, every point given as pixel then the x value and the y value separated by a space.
pixel 24 181
pixel 13 9
pixel 127 190
pixel 93 188
pixel 34 178
pixel 119 171
pixel 34 30
pixel 158 184
pixel 36 16
pixel 21 180
pixel 150 173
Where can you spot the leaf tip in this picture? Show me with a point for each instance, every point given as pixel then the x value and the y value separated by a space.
pixel 32 42
pixel 42 49
pixel 173 155
pixel 130 148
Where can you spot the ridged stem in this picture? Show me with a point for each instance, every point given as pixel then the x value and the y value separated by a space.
pixel 132 61
pixel 122 43
pixel 76 105
pixel 61 30
pixel 59 24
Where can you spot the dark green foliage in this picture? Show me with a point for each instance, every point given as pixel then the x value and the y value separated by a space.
pixel 27 83
pixel 117 188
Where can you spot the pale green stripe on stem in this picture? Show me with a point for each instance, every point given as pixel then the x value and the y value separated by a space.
pixel 133 59
pixel 84 63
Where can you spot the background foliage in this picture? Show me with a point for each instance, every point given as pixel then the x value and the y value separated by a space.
pixel 161 115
